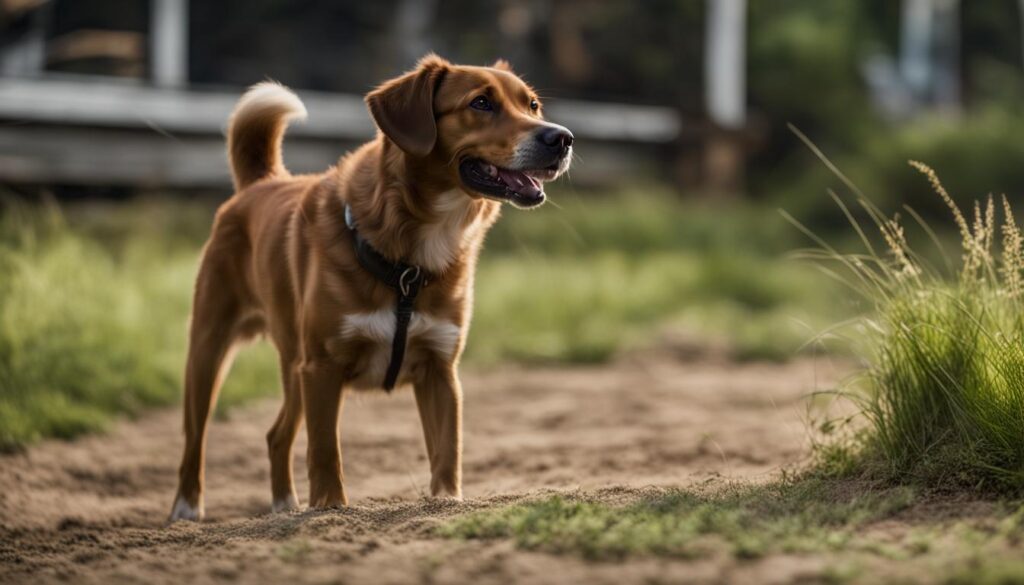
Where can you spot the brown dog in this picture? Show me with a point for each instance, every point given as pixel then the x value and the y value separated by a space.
pixel 334 267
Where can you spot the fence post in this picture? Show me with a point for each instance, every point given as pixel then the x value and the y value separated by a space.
pixel 169 42
pixel 725 68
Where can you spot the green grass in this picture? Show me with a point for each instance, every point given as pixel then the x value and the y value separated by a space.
pixel 94 299
pixel 941 413
pixel 638 222
pixel 984 572
pixel 945 402
pixel 744 521
pixel 857 531
pixel 941 392
pixel 977 153
pixel 851 531
pixel 87 334
pixel 592 275
pixel 585 309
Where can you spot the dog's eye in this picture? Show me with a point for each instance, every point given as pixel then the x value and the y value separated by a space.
pixel 534 105
pixel 481 102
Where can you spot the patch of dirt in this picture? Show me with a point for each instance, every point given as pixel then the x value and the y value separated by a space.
pixel 93 510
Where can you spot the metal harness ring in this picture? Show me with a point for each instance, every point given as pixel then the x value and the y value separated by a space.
pixel 402 284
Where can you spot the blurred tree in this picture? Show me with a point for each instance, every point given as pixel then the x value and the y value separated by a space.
pixel 804 64
pixel 804 67
pixel 991 56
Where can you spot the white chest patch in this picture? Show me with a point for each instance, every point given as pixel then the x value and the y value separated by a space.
pixel 441 241
pixel 438 335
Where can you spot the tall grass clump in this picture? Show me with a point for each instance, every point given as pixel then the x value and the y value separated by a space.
pixel 942 387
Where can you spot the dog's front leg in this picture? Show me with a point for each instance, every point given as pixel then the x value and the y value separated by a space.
pixel 322 399
pixel 439 398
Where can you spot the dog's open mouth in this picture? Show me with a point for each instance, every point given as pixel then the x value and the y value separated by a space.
pixel 521 188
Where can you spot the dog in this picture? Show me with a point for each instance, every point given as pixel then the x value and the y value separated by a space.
pixel 361 276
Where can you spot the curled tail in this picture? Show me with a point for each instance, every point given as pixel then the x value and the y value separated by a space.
pixel 255 131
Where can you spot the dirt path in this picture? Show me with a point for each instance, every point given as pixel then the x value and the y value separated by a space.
pixel 92 511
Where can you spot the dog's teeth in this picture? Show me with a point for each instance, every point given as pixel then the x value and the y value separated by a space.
pixel 491 170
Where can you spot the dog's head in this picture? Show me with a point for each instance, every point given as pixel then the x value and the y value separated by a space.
pixel 484 124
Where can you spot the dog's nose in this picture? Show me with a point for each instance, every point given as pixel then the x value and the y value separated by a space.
pixel 555 138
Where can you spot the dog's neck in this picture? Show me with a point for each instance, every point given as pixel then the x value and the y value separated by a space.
pixel 419 215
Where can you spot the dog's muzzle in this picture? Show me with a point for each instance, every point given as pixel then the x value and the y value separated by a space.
pixel 541 156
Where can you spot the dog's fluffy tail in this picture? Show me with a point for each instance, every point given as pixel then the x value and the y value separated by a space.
pixel 255 131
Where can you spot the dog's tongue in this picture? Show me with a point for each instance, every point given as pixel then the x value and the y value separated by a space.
pixel 521 183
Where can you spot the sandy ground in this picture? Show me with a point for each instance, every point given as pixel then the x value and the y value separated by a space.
pixel 93 510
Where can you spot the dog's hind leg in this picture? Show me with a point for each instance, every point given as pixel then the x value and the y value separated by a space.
pixel 281 438
pixel 216 326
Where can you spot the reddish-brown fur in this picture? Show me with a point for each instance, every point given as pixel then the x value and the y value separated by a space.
pixel 280 262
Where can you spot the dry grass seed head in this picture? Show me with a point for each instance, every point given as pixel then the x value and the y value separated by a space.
pixel 976 253
pixel 1013 248
pixel 895 238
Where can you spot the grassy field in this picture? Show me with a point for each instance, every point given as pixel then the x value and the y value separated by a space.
pixel 92 327
pixel 94 298
pixel 937 430
pixel 860 532
pixel 594 275
pixel 923 484
pixel 744 521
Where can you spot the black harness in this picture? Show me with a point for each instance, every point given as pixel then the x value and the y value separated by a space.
pixel 405 279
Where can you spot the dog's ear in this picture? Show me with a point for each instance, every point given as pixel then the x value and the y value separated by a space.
pixel 503 65
pixel 403 108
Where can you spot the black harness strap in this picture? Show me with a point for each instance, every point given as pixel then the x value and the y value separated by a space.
pixel 405 279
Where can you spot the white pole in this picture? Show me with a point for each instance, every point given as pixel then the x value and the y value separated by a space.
pixel 725 62
pixel 916 45
pixel 169 42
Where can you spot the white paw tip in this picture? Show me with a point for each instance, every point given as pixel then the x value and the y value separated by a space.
pixel 286 504
pixel 184 511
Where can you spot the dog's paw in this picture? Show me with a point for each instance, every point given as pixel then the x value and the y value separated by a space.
pixel 286 504
pixel 182 510
pixel 447 497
